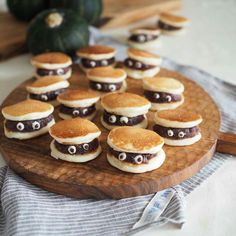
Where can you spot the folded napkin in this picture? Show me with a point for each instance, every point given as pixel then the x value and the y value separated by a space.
pixel 28 210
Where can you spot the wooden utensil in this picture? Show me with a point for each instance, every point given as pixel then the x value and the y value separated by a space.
pixel 97 179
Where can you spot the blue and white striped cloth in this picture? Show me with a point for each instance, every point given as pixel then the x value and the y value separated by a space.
pixel 28 210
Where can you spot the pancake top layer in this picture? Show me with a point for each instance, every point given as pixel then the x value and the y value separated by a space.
pixel 136 53
pixel 73 128
pixel 163 84
pixel 77 94
pixel 46 81
pixel 133 139
pixel 170 18
pixel 95 49
pixel 123 100
pixel 106 72
pixel 26 107
pixel 51 58
pixel 146 30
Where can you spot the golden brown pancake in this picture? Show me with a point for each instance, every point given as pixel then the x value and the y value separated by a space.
pixel 134 139
pixel 167 17
pixel 77 94
pixel 132 52
pixel 116 100
pixel 46 81
pixel 73 128
pixel 106 72
pixel 96 49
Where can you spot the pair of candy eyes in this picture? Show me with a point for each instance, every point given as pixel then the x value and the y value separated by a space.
pixel 157 96
pixel 77 112
pixel 138 159
pixel 142 38
pixel 59 71
pixel 103 62
pixel 72 149
pixel 35 125
pixel 123 119
pixel 111 87
pixel 137 64
pixel 45 97
pixel 170 133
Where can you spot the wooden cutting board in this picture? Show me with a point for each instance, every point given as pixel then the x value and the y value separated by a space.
pixel 97 179
pixel 116 14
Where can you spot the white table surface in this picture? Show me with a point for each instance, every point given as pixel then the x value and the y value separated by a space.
pixel 209 44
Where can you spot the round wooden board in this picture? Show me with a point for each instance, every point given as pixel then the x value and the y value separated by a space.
pixel 97 179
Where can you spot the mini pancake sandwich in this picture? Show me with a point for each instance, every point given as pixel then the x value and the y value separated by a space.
pixel 164 93
pixel 75 140
pixel 141 64
pixel 178 128
pixel 27 119
pixel 107 79
pixel 145 38
pixel 53 64
pixel 124 109
pixel 47 89
pixel 78 103
pixel 135 150
pixel 171 24
pixel 96 56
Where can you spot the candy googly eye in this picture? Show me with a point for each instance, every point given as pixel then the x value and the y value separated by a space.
pixel 181 134
pixel 141 38
pixel 85 111
pixel 124 120
pixel 72 150
pixel 20 126
pixel 75 113
pixel 60 71
pixel 156 95
pixel 104 62
pixel 138 65
pixel 138 159
pixel 98 86
pixel 130 63
pixel 122 156
pixel 112 119
pixel 36 125
pixel 170 133
pixel 112 87
pixel 92 63
pixel 86 146
pixel 44 97
pixel 168 97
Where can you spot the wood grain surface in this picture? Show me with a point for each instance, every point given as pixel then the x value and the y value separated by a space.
pixel 116 14
pixel 97 179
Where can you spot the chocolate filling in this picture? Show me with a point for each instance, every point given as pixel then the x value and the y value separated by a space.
pixel 77 149
pixel 105 87
pixel 137 65
pixel 176 133
pixel 28 125
pixel 46 72
pixel 49 96
pixel 118 120
pixel 77 112
pixel 161 97
pixel 165 26
pixel 88 63
pixel 142 38
pixel 134 158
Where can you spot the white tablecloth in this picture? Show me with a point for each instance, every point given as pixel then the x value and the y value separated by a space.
pixel 210 45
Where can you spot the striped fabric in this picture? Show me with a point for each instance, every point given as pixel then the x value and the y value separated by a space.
pixel 27 210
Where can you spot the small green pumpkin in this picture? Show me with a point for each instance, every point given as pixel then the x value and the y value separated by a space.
pixel 26 9
pixel 88 9
pixel 58 30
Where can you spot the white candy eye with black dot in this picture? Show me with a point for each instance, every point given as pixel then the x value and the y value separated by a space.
pixel 138 159
pixel 98 86
pixel 130 63
pixel 141 38
pixel 138 64
pixel 72 150
pixel 112 87
pixel 156 95
pixel 168 97
pixel 36 125
pixel 122 156
pixel 85 110
pixel 75 113
pixel 112 119
pixel 124 120
pixel 44 97
pixel 181 134
pixel 50 72
pixel 86 146
pixel 170 132
pixel 60 71
pixel 92 63
pixel 149 37
pixel 104 62
pixel 20 126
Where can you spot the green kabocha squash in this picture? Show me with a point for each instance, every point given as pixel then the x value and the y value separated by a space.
pixel 57 30
pixel 88 9
pixel 26 9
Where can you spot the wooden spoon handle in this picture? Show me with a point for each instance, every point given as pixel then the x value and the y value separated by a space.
pixel 226 143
